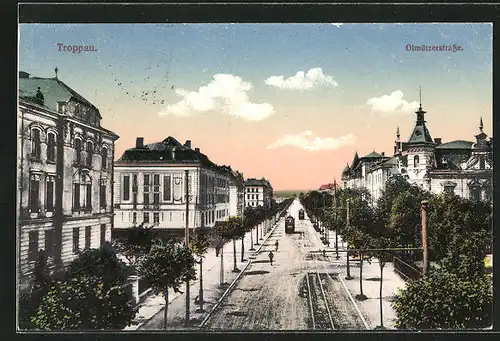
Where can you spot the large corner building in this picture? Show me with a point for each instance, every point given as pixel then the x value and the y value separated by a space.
pixel 64 174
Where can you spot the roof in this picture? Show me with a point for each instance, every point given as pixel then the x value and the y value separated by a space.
pixel 53 90
pixel 258 182
pixel 420 133
pixel 327 186
pixel 167 151
pixel 457 144
pixel 372 155
pixel 355 161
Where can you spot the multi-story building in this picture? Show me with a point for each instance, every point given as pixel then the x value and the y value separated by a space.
pixel 258 192
pixel 150 187
pixel 236 192
pixel 65 174
pixel 461 167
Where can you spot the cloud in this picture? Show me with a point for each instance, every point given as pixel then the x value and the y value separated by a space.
pixel 388 104
pixel 226 93
pixel 302 81
pixel 305 140
pixel 337 24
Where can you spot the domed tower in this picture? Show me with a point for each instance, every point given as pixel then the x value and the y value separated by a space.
pixel 419 151
pixel 345 175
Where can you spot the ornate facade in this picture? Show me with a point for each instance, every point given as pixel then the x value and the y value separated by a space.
pixel 461 167
pixel 65 174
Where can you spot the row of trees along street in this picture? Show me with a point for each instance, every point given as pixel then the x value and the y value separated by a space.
pixel 90 293
pixel 456 292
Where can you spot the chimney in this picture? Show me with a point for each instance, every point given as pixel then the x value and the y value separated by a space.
pixel 139 142
pixel 437 140
pixel 383 153
pixel 197 150
pixel 187 144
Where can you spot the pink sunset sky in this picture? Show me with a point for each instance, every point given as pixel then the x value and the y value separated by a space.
pixel 288 102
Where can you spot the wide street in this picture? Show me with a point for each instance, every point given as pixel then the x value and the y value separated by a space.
pixel 298 292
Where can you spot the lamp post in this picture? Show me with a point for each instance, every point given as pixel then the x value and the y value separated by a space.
pixel 424 235
pixel 347 225
pixel 186 242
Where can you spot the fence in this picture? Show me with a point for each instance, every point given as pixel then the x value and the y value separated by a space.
pixel 406 271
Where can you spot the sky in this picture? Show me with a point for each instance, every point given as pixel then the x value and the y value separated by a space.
pixel 288 102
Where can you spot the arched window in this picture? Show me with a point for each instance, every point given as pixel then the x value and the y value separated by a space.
pixel 51 147
pixel 416 161
pixel 89 153
pixel 82 192
pixel 104 158
pixel 35 143
pixel 78 150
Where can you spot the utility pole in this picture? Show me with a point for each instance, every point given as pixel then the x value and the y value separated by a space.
pixel 186 242
pixel 348 268
pixel 424 235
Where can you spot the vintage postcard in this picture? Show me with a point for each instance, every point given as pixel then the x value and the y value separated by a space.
pixel 254 177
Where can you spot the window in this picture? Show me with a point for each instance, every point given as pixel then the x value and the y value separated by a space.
pixel 103 195
pixel 134 217
pixel 33 245
pixel 156 217
pixel 103 234
pixel 76 240
pixel 89 153
pixel 34 198
pixel 104 158
pixel 88 196
pixel 146 179
pixel 415 161
pixel 156 180
pixel 88 231
pixel 167 193
pixel 49 243
pixel 35 143
pixel 146 217
pixel 146 198
pixel 78 149
pixel 156 198
pixel 76 196
pixel 449 188
pixel 49 206
pixel 51 147
pixel 126 187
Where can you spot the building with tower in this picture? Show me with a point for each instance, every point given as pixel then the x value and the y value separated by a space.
pixel 462 167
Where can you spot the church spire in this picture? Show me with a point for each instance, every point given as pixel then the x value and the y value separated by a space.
pixel 481 124
pixel 420 96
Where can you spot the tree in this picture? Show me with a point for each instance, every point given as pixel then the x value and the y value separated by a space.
pixel 199 243
pixel 90 295
pixel 383 256
pixel 167 265
pixel 443 300
pixel 134 245
pixel 100 263
pixel 84 303
pixel 405 217
pixel 360 240
pixel 235 225
pixel 222 233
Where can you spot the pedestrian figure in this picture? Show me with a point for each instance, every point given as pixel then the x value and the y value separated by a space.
pixel 276 244
pixel 271 256
pixel 324 253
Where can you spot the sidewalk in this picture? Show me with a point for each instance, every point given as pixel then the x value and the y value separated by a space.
pixel 150 314
pixel 370 308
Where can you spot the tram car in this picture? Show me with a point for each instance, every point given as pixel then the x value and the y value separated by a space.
pixel 301 214
pixel 289 224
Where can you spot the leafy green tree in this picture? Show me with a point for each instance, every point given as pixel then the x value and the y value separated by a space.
pixel 101 263
pixel 84 303
pixel 199 243
pixel 221 234
pixel 405 217
pixel 167 265
pixel 360 240
pixel 380 243
pixel 235 225
pixel 443 300
pixel 134 245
